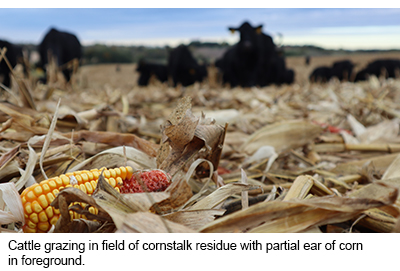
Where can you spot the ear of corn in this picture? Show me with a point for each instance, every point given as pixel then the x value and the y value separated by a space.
pixel 36 199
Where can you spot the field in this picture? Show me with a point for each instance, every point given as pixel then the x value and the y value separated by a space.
pixel 105 74
pixel 294 158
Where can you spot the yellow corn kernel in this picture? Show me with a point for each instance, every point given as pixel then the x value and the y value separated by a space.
pixel 123 172
pixel 96 174
pixel 28 208
pixel 34 218
pixel 107 174
pixel 30 196
pixel 49 211
pixel 55 192
pixel 36 207
pixel 83 188
pixel 58 181
pixel 64 179
pixel 113 182
pixel 31 225
pixel 52 184
pixel 93 210
pixel 53 220
pixel 43 226
pixel 37 190
pixel 46 188
pixel 85 177
pixel 78 178
pixel 112 173
pixel 90 175
pixel 43 201
pixel 43 217
pixel 89 188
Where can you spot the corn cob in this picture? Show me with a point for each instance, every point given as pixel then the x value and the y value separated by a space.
pixel 36 199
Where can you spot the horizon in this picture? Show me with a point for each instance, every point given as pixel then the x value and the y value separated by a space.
pixel 328 28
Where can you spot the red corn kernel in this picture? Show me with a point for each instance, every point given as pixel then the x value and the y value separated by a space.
pixel 146 181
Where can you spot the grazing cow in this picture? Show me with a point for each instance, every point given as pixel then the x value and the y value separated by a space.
pixel 321 74
pixel 146 70
pixel 183 68
pixel 342 70
pixel 63 46
pixel 386 67
pixel 14 56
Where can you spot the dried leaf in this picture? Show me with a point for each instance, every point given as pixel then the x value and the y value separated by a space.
pixel 179 193
pixel 115 157
pixel 9 197
pixel 30 166
pixel 194 219
pixel 282 136
pixel 115 140
pixel 219 196
pixel 150 223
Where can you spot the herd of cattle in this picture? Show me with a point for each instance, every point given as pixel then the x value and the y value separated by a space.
pixel 253 61
pixel 343 70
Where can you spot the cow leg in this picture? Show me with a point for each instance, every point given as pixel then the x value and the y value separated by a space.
pixel 67 74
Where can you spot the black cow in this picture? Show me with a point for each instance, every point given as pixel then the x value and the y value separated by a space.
pixel 14 56
pixel 387 67
pixel 63 46
pixel 289 76
pixel 321 74
pixel 224 64
pixel 183 68
pixel 248 62
pixel 278 73
pixel 342 70
pixel 146 70
pixel 254 60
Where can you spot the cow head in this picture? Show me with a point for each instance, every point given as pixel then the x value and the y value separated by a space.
pixel 248 35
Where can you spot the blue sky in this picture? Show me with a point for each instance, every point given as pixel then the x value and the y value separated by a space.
pixel 327 27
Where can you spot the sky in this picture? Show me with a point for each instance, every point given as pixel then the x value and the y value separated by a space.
pixel 331 28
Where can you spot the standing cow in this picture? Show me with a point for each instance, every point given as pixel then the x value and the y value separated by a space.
pixel 252 61
pixel 14 56
pixel 247 62
pixel 63 47
pixel 146 70
pixel 183 68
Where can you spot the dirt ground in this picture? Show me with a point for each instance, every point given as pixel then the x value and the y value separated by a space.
pixel 125 76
